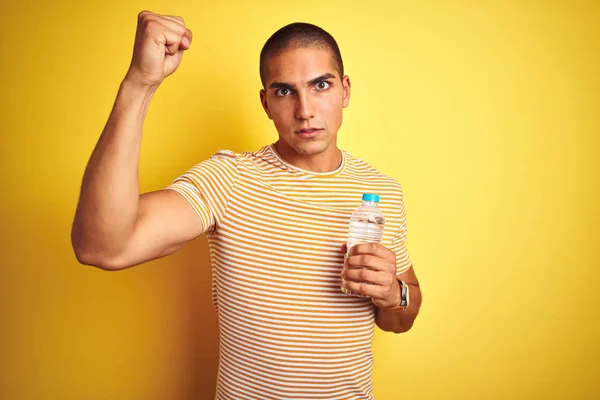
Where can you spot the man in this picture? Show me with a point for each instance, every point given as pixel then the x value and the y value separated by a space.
pixel 276 221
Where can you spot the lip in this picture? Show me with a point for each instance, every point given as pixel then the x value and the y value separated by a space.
pixel 309 132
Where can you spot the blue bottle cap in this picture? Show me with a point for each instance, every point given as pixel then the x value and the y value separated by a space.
pixel 371 197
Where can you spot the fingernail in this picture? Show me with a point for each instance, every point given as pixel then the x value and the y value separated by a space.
pixel 186 41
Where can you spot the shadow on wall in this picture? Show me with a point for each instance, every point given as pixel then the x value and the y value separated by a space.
pixel 197 337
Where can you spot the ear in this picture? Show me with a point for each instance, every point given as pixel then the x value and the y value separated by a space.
pixel 263 101
pixel 346 85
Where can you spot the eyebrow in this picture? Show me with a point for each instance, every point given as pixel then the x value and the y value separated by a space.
pixel 281 85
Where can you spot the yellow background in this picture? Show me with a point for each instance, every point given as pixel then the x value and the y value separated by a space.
pixel 486 112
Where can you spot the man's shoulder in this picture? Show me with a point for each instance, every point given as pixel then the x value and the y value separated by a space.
pixel 225 154
pixel 357 167
pixel 246 163
pixel 228 156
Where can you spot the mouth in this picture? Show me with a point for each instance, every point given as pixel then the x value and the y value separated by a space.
pixel 309 132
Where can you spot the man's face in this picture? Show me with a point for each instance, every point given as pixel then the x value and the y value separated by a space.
pixel 304 96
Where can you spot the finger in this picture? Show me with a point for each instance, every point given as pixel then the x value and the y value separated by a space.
pixel 173 25
pixel 375 249
pixel 367 261
pixel 368 276
pixel 169 22
pixel 188 35
pixel 375 291
pixel 344 248
pixel 172 42
pixel 174 18
pixel 173 33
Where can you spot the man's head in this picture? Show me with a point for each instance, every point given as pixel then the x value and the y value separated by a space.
pixel 300 35
pixel 304 87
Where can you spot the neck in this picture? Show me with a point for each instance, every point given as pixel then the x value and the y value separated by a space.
pixel 327 161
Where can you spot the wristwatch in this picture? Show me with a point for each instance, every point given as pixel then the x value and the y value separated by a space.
pixel 404 295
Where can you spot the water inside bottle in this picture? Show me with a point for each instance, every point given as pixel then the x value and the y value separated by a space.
pixel 365 230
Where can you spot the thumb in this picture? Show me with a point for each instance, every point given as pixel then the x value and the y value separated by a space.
pixel 344 248
pixel 172 41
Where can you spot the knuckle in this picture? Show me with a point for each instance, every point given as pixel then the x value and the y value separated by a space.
pixel 143 15
pixel 150 24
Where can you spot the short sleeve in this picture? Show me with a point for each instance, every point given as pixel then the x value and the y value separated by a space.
pixel 403 262
pixel 207 187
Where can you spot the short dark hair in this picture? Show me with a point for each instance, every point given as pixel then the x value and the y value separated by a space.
pixel 299 35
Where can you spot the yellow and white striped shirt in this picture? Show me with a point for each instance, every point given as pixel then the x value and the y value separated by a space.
pixel 274 230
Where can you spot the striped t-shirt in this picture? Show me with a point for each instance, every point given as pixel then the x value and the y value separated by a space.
pixel 274 231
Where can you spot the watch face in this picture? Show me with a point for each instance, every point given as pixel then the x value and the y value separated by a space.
pixel 404 295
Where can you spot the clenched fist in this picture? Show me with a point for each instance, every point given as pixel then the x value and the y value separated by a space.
pixel 160 41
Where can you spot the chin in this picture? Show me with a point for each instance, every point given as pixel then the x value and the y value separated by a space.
pixel 310 148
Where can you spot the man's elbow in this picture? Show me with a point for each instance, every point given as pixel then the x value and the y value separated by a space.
pixel 93 256
pixel 403 328
pixel 400 328
pixel 97 259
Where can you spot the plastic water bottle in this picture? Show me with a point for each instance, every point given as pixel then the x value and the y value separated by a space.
pixel 366 226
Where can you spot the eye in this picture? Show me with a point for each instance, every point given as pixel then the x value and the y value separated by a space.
pixel 323 85
pixel 282 92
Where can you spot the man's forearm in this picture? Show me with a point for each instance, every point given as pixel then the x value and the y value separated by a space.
pixel 107 209
pixel 397 319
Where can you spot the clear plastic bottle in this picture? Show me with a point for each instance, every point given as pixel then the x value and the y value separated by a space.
pixel 366 226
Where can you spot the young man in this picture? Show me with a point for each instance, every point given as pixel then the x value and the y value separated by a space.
pixel 276 221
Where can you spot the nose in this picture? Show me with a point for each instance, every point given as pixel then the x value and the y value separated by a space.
pixel 305 107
